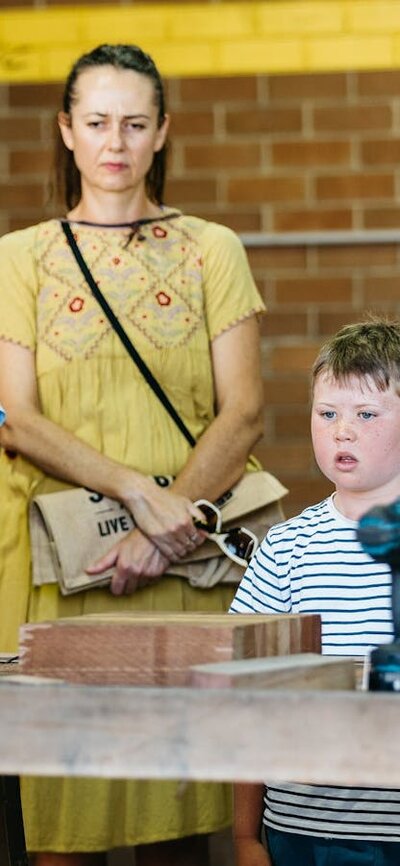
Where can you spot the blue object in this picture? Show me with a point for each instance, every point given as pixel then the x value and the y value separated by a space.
pixel 2 415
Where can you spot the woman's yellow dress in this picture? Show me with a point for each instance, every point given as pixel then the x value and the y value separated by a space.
pixel 175 283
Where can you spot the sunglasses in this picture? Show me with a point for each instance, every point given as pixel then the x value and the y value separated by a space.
pixel 238 543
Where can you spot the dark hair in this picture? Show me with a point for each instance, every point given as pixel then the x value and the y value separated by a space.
pixel 367 349
pixel 129 57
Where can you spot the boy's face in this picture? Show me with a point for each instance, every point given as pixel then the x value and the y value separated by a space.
pixel 356 436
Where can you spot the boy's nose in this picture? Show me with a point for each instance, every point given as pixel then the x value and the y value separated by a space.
pixel 344 431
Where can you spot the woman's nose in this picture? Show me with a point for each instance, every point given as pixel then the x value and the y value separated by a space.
pixel 115 141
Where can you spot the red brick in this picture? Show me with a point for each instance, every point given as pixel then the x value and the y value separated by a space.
pixel 265 189
pixel 19 222
pixel 357 255
pixel 18 129
pixel 353 118
pixel 215 89
pixel 312 220
pixel 294 359
pixel 325 86
pixel 382 217
pixel 311 153
pixel 304 492
pixel 381 289
pixel 292 425
pixel 314 290
pixel 31 161
pixel 351 186
pixel 381 152
pixel 291 458
pixel 192 123
pixel 48 96
pixel 186 190
pixel 278 324
pixel 239 221
pixel 385 83
pixel 12 196
pixel 286 258
pixel 329 323
pixel 287 390
pixel 222 155
pixel 257 120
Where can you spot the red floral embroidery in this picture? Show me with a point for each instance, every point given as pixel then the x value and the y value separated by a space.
pixel 76 305
pixel 163 299
pixel 158 232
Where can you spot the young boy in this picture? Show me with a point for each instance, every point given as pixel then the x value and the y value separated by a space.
pixel 313 563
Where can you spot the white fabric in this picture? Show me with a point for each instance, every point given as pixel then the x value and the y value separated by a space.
pixel 313 563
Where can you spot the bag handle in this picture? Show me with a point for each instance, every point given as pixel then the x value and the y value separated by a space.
pixel 120 331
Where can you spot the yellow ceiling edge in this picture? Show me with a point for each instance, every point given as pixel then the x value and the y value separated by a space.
pixel 233 38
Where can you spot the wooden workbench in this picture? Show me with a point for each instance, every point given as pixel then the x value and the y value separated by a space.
pixel 335 737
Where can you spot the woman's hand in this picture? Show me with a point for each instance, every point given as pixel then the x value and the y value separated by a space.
pixel 166 518
pixel 137 562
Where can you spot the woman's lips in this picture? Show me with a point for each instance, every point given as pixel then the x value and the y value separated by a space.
pixel 115 166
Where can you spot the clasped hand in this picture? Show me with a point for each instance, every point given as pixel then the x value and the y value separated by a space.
pixel 164 533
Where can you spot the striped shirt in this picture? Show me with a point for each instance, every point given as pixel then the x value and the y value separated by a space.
pixel 313 563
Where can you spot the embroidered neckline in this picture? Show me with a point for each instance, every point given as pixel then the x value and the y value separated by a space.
pixel 129 225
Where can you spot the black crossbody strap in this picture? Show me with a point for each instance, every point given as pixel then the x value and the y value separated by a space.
pixel 140 363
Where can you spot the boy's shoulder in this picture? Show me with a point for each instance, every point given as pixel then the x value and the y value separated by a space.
pixel 319 517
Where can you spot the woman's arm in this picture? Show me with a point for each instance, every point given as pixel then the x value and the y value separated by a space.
pixel 162 515
pixel 249 850
pixel 219 458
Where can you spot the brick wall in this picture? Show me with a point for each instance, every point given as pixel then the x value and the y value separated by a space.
pixel 273 154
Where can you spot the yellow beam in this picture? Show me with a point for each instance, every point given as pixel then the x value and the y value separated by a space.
pixel 232 38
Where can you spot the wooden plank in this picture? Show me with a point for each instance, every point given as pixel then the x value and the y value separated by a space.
pixel 8 664
pixel 301 671
pixel 157 648
pixel 126 732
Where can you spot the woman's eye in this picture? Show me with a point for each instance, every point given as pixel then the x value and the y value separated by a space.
pixel 95 123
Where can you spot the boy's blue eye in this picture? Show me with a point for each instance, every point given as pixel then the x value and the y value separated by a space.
pixel 367 415
pixel 329 414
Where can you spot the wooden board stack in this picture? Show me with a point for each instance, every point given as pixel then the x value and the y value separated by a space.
pixel 157 649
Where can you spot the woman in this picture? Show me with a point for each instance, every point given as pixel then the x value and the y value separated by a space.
pixel 80 413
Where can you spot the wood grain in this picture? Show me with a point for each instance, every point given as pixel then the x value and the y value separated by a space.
pixel 252 735
pixel 302 671
pixel 157 648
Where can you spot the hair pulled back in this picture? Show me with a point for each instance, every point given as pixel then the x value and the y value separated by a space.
pixel 129 57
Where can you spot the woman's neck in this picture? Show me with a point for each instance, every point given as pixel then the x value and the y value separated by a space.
pixel 113 209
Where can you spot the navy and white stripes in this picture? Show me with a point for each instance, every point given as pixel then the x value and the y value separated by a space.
pixel 314 564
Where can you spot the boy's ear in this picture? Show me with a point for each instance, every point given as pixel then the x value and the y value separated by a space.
pixel 64 125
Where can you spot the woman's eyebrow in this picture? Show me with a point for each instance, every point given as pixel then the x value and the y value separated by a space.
pixel 125 116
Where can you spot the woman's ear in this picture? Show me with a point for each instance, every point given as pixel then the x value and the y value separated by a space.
pixel 162 133
pixel 64 125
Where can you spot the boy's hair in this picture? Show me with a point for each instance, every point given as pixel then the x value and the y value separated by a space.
pixel 366 349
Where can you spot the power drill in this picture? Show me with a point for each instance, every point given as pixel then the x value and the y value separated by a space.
pixel 378 532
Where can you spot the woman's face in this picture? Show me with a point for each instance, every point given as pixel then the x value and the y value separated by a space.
pixel 113 128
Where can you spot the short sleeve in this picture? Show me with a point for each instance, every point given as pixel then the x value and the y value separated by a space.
pixel 18 288
pixel 229 288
